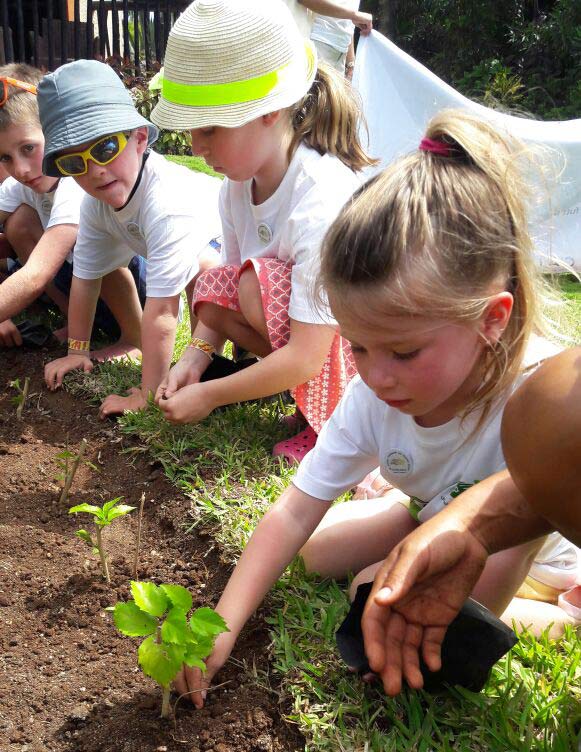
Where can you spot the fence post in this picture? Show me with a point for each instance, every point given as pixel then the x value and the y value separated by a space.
pixel 35 31
pixel 89 30
pixel 77 29
pixel 126 49
pixel 64 33
pixel 146 39
pixel 50 34
pixel 20 31
pixel 115 25
pixel 136 37
pixel 8 49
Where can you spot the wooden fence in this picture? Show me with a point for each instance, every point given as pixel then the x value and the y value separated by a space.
pixel 48 33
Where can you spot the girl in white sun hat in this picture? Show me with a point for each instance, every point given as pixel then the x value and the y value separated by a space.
pixel 241 77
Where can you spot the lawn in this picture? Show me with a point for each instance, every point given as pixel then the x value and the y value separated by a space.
pixel 533 698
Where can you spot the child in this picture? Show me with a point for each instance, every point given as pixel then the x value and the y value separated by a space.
pixel 137 203
pixel 40 214
pixel 285 136
pixel 430 274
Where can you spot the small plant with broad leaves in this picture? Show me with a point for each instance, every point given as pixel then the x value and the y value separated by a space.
pixel 160 614
pixel 102 516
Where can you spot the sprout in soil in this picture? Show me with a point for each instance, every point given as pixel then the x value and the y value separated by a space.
pixel 22 394
pixel 102 516
pixel 160 613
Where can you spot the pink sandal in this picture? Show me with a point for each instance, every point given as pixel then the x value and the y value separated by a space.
pixel 295 448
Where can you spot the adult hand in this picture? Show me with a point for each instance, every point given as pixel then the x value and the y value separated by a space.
pixel 189 405
pixel 185 372
pixel 55 371
pixel 364 21
pixel 416 593
pixel 9 334
pixel 114 404
pixel 191 680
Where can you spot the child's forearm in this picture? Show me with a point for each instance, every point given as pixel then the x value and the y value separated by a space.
pixel 278 538
pixel 82 306
pixel 158 330
pixel 25 285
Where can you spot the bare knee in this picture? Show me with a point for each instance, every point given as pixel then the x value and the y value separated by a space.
pixel 23 230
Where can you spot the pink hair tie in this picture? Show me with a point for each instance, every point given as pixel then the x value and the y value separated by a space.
pixel 436 147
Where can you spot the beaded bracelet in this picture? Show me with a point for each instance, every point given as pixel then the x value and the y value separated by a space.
pixel 196 343
pixel 79 345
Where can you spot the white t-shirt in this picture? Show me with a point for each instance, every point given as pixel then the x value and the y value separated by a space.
pixel 291 224
pixel 170 219
pixel 59 207
pixel 430 465
pixel 336 32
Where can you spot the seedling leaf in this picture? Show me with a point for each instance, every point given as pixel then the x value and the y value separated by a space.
pixel 119 512
pixel 205 621
pixel 160 661
pixel 132 621
pixel 89 508
pixel 179 596
pixel 85 536
pixel 175 628
pixel 195 662
pixel 150 598
pixel 201 647
pixel 109 505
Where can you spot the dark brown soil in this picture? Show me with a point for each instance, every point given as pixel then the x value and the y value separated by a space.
pixel 69 680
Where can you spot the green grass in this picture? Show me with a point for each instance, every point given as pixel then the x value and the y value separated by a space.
pixel 194 163
pixel 533 698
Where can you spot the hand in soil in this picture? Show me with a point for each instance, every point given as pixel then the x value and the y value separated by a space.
pixel 190 405
pixel 56 370
pixel 9 334
pixel 117 405
pixel 185 372
pixel 192 682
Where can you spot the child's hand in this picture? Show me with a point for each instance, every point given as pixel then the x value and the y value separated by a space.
pixel 186 371
pixel 114 404
pixel 364 21
pixel 9 334
pixel 189 405
pixel 192 680
pixel 55 371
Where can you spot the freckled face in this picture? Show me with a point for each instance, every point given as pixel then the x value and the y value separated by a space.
pixel 21 153
pixel 427 368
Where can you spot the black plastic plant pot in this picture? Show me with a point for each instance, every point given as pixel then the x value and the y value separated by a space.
pixel 34 335
pixel 474 642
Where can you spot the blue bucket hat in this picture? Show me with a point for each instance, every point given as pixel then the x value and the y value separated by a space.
pixel 80 102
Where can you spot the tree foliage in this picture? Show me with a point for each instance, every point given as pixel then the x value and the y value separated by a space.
pixel 523 54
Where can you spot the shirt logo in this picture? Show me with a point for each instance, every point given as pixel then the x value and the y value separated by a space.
pixel 398 462
pixel 264 233
pixel 133 229
pixel 46 205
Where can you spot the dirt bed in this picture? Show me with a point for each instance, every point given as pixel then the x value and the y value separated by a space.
pixel 69 681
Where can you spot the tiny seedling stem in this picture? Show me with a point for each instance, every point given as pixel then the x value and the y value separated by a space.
pixel 23 397
pixel 165 704
pixel 138 543
pixel 71 473
pixel 103 555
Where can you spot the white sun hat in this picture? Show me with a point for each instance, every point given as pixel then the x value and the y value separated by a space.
pixel 229 61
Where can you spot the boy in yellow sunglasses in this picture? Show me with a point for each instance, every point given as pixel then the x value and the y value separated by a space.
pixel 40 215
pixel 137 203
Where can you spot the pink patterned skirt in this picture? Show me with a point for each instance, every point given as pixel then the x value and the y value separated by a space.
pixel 316 398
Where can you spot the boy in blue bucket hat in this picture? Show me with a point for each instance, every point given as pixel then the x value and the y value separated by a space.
pixel 137 203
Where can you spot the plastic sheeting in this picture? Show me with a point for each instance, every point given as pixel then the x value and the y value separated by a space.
pixel 400 96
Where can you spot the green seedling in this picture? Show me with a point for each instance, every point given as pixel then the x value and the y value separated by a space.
pixel 160 613
pixel 103 516
pixel 68 463
pixel 20 399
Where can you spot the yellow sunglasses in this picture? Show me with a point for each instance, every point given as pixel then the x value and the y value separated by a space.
pixel 102 152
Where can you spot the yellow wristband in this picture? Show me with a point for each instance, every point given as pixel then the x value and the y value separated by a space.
pixel 200 344
pixel 79 345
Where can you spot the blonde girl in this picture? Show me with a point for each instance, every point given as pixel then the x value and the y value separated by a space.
pixel 239 75
pixel 430 275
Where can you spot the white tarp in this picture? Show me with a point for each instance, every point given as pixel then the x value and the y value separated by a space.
pixel 400 96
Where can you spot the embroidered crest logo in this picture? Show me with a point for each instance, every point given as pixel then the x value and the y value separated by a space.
pixel 398 462
pixel 264 233
pixel 133 230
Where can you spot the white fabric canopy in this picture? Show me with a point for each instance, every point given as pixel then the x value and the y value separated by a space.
pixel 400 96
